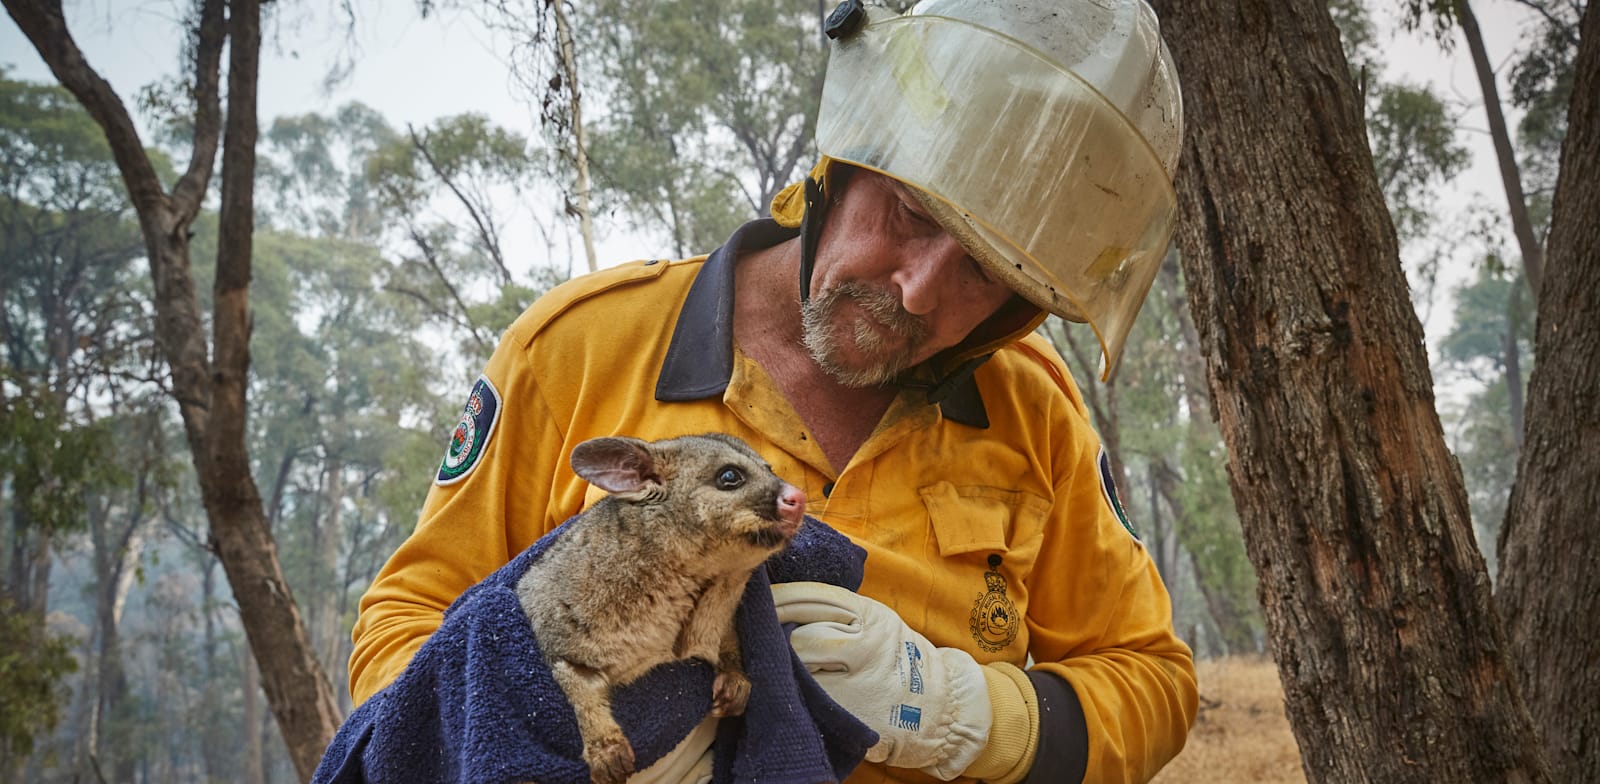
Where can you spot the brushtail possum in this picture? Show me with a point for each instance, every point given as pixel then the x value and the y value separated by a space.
pixel 653 572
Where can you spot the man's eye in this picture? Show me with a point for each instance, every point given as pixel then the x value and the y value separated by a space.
pixel 917 215
pixel 980 272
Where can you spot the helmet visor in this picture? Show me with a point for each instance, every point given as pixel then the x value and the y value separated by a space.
pixel 1040 177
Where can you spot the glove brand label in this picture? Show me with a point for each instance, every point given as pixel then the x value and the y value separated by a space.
pixel 993 621
pixel 913 668
pixel 907 717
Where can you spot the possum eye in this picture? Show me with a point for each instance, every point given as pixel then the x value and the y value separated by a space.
pixel 729 478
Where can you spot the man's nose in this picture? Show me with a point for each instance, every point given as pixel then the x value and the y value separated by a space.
pixel 927 273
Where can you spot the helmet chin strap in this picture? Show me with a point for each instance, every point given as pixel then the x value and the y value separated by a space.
pixel 810 231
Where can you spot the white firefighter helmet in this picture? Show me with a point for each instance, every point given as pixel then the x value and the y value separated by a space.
pixel 1042 134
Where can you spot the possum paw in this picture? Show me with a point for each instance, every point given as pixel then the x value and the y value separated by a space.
pixel 610 759
pixel 729 693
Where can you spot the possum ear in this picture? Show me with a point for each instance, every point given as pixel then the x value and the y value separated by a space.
pixel 616 465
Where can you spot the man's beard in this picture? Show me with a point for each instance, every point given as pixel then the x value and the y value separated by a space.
pixel 823 340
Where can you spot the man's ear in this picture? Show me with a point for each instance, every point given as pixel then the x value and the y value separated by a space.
pixel 616 464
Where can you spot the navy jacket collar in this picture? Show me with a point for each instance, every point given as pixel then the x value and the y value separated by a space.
pixel 699 360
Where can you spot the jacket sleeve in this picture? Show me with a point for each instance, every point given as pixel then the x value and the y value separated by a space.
pixel 1101 620
pixel 514 492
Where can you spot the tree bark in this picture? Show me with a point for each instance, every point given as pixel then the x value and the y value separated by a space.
pixel 296 686
pixel 327 629
pixel 116 554
pixel 1354 511
pixel 1512 362
pixel 211 391
pixel 252 725
pixel 1550 590
pixel 1505 154
pixel 1191 363
pixel 580 143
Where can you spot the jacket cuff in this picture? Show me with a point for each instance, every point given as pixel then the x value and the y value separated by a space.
pixel 1014 736
pixel 1063 754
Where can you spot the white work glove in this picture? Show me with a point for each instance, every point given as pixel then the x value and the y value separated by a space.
pixel 929 705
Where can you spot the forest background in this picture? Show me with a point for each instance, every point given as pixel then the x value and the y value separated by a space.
pixel 417 187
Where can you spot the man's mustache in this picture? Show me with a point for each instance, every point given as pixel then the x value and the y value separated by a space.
pixel 884 308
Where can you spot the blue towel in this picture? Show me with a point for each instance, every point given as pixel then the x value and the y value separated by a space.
pixel 477 703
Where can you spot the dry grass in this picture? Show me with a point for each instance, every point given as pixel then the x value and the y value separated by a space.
pixel 1241 734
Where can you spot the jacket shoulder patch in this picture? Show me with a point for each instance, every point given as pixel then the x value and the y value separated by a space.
pixel 1108 486
pixel 472 432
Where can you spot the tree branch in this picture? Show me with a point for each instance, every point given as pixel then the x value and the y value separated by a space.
pixel 485 226
pixel 43 22
pixel 190 190
pixel 432 260
pixel 1567 30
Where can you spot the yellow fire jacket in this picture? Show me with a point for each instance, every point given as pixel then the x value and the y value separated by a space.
pixel 989 520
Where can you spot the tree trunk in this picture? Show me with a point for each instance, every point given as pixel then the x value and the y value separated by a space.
pixel 1550 590
pixel 1161 539
pixel 1231 620
pixel 1510 177
pixel 1354 512
pixel 1512 355
pixel 1191 363
pixel 29 581
pixel 580 143
pixel 1213 545
pixel 327 631
pixel 116 553
pixel 210 391
pixel 253 729
pixel 297 688
pixel 216 741
pixel 1228 608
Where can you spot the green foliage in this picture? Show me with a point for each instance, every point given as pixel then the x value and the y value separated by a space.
pixel 440 188
pixel 1541 85
pixel 1154 411
pixel 52 463
pixel 1411 130
pixel 1215 538
pixel 1488 310
pixel 1483 319
pixel 1357 35
pixel 33 664
pixel 52 153
pixel 340 368
pixel 465 151
pixel 311 167
pixel 1435 17
pixel 1415 153
pixel 709 108
pixel 1486 448
pixel 356 365
pixel 67 242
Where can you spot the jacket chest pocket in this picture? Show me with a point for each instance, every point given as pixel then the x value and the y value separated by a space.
pixel 982 519
pixel 988 539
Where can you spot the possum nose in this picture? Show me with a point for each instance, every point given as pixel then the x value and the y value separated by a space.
pixel 791 505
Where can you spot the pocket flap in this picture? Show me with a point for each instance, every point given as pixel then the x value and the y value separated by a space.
pixel 975 518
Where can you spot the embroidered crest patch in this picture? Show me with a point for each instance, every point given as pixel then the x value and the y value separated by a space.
pixel 1109 487
pixel 993 621
pixel 472 433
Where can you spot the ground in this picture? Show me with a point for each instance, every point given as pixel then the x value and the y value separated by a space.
pixel 1241 734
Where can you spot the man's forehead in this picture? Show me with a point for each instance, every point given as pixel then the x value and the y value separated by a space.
pixel 907 194
pixel 881 180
